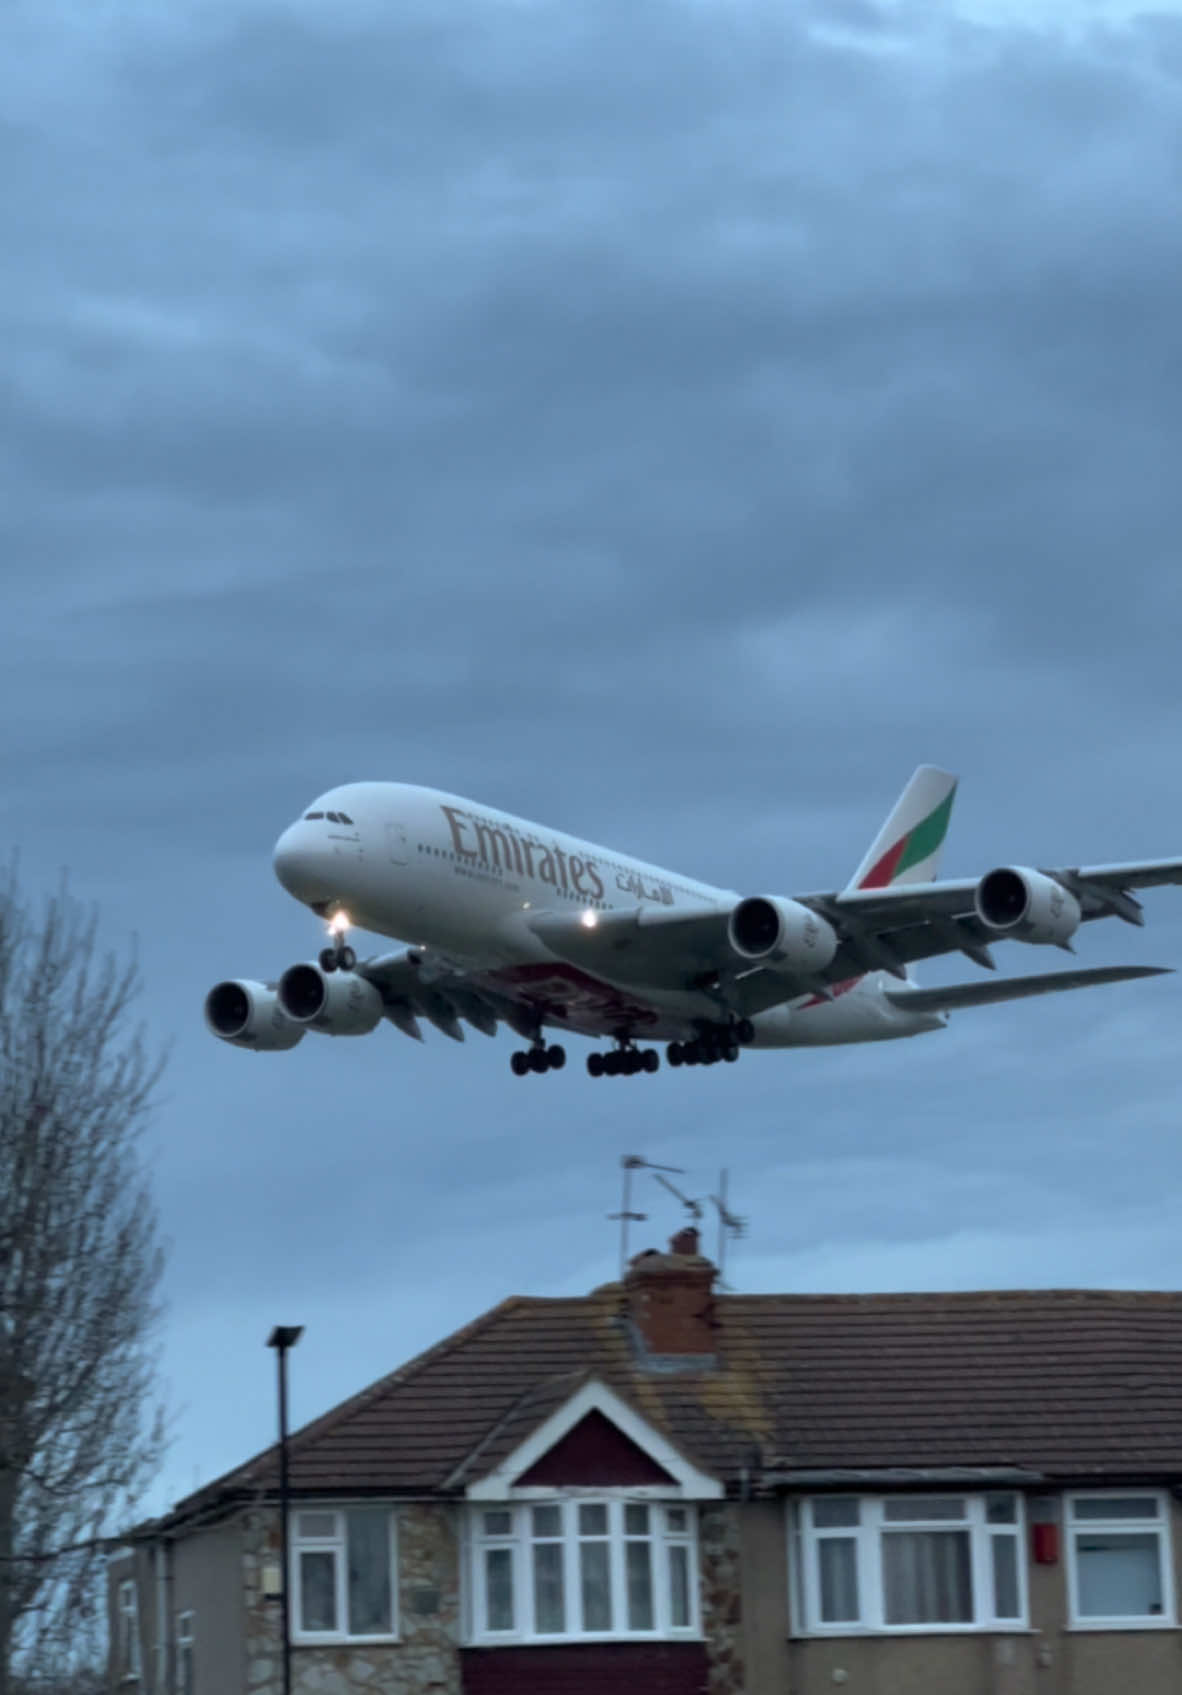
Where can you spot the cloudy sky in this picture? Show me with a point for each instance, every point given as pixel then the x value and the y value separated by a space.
pixel 669 419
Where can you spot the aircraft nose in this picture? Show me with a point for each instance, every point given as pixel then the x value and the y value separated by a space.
pixel 293 861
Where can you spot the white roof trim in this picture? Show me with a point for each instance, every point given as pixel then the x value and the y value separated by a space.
pixel 688 1482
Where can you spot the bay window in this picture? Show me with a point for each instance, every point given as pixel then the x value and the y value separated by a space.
pixel 1118 1560
pixel 579 1568
pixel 908 1563
pixel 344 1574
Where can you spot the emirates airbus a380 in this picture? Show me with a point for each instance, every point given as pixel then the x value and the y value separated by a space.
pixel 509 922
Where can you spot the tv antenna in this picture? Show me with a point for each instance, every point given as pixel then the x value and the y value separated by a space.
pixel 730 1226
pixel 626 1216
pixel 694 1208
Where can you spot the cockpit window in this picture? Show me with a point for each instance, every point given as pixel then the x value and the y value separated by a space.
pixel 333 817
pixel 344 818
pixel 308 815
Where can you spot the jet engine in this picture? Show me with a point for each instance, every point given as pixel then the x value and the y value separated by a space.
pixel 249 1015
pixel 1026 906
pixel 782 933
pixel 339 1003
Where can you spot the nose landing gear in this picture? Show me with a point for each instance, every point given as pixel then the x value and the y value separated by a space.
pixel 339 956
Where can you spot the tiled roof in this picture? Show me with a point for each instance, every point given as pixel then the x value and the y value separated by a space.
pixel 1060 1382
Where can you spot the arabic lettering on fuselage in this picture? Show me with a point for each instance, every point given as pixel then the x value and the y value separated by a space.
pixel 632 883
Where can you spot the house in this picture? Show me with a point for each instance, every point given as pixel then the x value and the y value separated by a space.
pixel 666 1489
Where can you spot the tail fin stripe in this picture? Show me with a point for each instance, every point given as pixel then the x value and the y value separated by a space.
pixel 918 844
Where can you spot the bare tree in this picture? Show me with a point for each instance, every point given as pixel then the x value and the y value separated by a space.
pixel 80 1269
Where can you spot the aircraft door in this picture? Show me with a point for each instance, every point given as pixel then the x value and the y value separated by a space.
pixel 396 844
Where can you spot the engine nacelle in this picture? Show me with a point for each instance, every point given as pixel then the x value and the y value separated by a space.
pixel 339 1003
pixel 1026 906
pixel 249 1016
pixel 782 933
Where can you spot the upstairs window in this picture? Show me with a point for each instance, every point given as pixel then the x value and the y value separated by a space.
pixel 128 1627
pixel 344 1575
pixel 908 1563
pixel 1118 1561
pixel 578 1569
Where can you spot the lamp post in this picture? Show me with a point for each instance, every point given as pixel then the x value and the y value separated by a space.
pixel 283 1337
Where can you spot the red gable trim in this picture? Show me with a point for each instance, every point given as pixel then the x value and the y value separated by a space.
pixel 594 1453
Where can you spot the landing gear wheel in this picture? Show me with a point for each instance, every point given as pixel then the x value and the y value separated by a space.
pixel 651 1060
pixel 519 1063
pixel 346 959
pixel 613 1064
pixel 536 1060
pixel 555 1057
pixel 595 1064
pixel 328 959
pixel 744 1032
pixel 632 1063
pixel 675 1053
pixel 730 1052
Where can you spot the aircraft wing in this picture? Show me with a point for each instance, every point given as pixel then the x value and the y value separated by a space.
pixel 954 996
pixel 880 929
pixel 442 991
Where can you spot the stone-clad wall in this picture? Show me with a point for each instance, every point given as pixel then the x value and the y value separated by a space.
pixel 722 1597
pixel 425 1661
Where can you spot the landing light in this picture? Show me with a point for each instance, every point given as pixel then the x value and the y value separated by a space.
pixel 339 923
pixel 589 920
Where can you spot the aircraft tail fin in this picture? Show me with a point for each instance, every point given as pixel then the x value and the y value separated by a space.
pixel 907 848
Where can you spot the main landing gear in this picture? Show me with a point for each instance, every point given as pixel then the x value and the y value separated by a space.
pixel 539 1058
pixel 714 1044
pixel 338 956
pixel 623 1061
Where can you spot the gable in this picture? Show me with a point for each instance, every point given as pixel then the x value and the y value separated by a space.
pixel 595 1452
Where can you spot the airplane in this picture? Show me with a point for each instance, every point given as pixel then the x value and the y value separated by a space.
pixel 512 923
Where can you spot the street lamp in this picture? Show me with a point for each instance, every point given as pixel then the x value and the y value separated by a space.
pixel 283 1337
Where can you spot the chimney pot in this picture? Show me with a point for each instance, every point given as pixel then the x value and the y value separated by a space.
pixel 685 1241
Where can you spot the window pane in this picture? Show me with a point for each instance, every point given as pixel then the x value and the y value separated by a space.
pixel 1001 1509
pixel 498 1587
pixel 926 1577
pixel 597 1586
pixel 547 1521
pixel 593 1521
pixel 316 1525
pixel 837 1558
pixel 636 1521
pixel 318 1592
pixel 184 1668
pixel 920 1509
pixel 837 1513
pixel 1119 1576
pixel 498 1523
pixel 549 1600
pixel 679 1587
pixel 1116 1506
pixel 640 1584
pixel 676 1521
pixel 1005 1577
pixel 369 1572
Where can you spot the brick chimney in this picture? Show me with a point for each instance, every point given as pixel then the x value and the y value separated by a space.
pixel 670 1298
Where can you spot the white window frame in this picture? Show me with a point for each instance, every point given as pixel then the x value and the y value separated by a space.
pixel 1161 1526
pixel 186 1638
pixel 519 1540
pixel 337 1545
pixel 130 1668
pixel 804 1566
